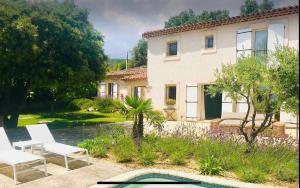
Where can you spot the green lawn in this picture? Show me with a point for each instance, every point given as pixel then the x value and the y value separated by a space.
pixel 68 119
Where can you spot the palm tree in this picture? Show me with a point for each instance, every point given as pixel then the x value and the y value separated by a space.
pixel 138 110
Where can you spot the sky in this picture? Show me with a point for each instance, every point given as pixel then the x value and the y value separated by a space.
pixel 122 22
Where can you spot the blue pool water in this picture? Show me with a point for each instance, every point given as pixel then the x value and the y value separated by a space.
pixel 167 178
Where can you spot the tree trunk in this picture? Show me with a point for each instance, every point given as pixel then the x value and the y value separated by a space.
pixel 12 121
pixel 134 128
pixel 140 128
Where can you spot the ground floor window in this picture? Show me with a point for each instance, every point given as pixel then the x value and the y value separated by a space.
pixel 171 93
pixel 112 90
pixel 137 92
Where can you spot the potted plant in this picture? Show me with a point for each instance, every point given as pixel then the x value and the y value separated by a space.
pixel 170 103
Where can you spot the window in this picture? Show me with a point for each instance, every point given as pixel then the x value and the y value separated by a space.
pixel 172 48
pixel 209 42
pixel 137 92
pixel 110 89
pixel 102 89
pixel 261 38
pixel 171 92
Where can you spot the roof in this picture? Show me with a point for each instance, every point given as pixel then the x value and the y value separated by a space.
pixel 237 19
pixel 131 74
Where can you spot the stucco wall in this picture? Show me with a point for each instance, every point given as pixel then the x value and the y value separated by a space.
pixel 196 65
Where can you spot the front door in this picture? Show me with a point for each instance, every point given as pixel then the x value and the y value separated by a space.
pixel 191 102
pixel 213 105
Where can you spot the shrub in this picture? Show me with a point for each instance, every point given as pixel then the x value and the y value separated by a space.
pixel 147 155
pixel 106 105
pixel 210 166
pixel 252 175
pixel 97 147
pixel 288 172
pixel 178 157
pixel 80 104
pixel 170 145
pixel 124 149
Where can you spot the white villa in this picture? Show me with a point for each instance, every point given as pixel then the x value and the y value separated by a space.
pixel 182 61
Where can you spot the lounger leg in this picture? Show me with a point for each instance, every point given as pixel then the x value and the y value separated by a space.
pixel 15 174
pixel 66 162
pixel 45 168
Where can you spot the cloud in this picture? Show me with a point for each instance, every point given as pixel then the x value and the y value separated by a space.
pixel 123 21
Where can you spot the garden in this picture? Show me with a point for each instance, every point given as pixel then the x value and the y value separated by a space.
pixel 224 155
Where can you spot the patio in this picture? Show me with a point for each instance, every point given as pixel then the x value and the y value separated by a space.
pixel 80 175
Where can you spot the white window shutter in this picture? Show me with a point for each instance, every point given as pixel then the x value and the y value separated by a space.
pixel 243 43
pixel 275 36
pixel 139 92
pixel 115 91
pixel 102 89
pixel 226 103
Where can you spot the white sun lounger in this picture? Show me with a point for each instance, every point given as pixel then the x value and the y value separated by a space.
pixel 42 134
pixel 13 157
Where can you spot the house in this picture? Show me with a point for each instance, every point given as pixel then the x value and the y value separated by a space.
pixel 128 82
pixel 182 60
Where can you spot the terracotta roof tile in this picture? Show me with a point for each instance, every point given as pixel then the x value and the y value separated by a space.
pixel 237 19
pixel 137 73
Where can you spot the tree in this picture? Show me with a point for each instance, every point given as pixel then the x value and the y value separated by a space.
pixel 189 17
pixel 47 44
pixel 266 5
pixel 285 74
pixel 138 109
pixel 251 6
pixel 250 79
pixel 140 53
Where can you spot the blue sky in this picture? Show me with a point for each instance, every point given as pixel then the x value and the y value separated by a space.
pixel 122 22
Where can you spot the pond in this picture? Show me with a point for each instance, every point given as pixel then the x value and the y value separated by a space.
pixel 70 135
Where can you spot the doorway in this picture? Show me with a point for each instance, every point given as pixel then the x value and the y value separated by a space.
pixel 212 104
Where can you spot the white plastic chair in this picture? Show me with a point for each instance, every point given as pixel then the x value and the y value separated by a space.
pixel 41 133
pixel 13 157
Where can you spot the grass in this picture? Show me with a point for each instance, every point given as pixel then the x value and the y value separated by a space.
pixel 69 119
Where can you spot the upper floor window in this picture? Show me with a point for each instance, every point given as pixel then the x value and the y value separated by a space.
pixel 261 43
pixel 209 41
pixel 172 48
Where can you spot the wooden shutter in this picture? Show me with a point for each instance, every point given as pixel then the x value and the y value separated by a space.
pixel 191 102
pixel 115 90
pixel 102 89
pixel 243 43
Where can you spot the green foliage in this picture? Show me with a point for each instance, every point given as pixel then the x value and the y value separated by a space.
pixel 138 109
pixel 80 104
pixel 251 6
pixel 170 102
pixel 249 79
pixel 106 105
pixel 288 172
pixel 125 149
pixel 147 154
pixel 49 44
pixel 285 77
pixel 97 147
pixel 140 53
pixel 252 175
pixel 178 150
pixel 210 166
pixel 189 17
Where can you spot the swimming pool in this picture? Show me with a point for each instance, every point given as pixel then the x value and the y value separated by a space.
pixel 168 181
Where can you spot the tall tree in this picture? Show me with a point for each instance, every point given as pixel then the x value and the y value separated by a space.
pixel 47 44
pixel 140 53
pixel 251 6
pixel 188 17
